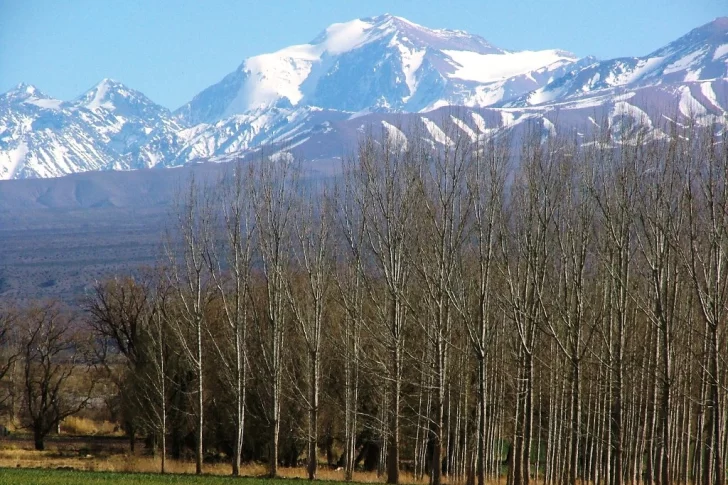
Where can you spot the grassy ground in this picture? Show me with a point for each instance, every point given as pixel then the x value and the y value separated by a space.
pixel 67 456
pixel 22 476
pixel 88 462
pixel 212 476
pixel 45 476
pixel 94 459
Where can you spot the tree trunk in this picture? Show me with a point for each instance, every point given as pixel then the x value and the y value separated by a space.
pixel 273 457
pixel 163 468
pixel 393 447
pixel 440 415
pixel 200 427
pixel 528 420
pixel 38 439
pixel 200 403
pixel 313 416
pixel 239 426
pixel 481 420
pixel 717 415
pixel 575 424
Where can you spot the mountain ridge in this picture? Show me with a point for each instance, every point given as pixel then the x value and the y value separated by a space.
pixel 699 55
pixel 299 96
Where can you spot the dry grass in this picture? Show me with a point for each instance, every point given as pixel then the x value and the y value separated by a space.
pixel 78 426
pixel 55 459
pixel 23 458
pixel 125 463
pixel 77 456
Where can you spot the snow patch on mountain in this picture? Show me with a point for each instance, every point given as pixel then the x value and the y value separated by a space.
pixel 508 118
pixel 52 104
pixel 706 89
pixel 549 127
pixel 480 123
pixel 688 105
pixel 487 68
pixel 465 128
pixel 11 160
pixel 438 136
pixel 411 63
pixel 343 37
pixel 623 108
pixel 626 74
pixel 685 62
pixel 720 52
pixel 396 136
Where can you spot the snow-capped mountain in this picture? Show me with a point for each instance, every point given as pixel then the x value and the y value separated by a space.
pixel 700 55
pixel 314 99
pixel 379 63
pixel 45 137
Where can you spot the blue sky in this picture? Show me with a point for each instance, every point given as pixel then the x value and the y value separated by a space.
pixel 172 49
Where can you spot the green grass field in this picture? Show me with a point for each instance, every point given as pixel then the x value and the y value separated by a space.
pixel 19 476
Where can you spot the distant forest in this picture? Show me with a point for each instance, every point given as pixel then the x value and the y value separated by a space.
pixel 551 309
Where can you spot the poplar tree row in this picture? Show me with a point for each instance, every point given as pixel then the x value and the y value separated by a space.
pixel 552 310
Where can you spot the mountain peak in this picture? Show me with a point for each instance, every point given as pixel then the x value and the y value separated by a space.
pixel 383 62
pixel 711 34
pixel 102 95
pixel 107 83
pixel 383 18
pixel 389 20
pixel 716 30
pixel 112 95
pixel 22 88
pixel 720 23
pixel 26 89
pixel 23 92
pixel 343 37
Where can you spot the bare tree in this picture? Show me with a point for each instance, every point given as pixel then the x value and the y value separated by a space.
pixel 613 190
pixel 274 184
pixel 118 312
pixel 229 264
pixel 53 353
pixel 385 182
pixel 188 275
pixel 118 309
pixel 705 253
pixel 566 307
pixel 564 316
pixel 473 292
pixel 443 213
pixel 659 217
pixel 9 352
pixel 349 279
pixel 312 247
pixel 154 375
pixel 526 243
